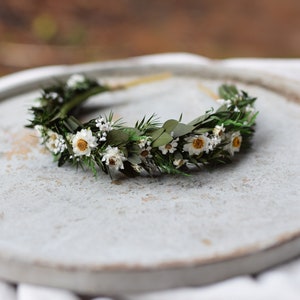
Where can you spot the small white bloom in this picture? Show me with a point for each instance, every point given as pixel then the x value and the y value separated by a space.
pixel 74 80
pixel 250 110
pixel 55 96
pixel 213 142
pixel 223 101
pixel 83 142
pixel 219 130
pixel 39 131
pixel 144 142
pixel 114 158
pixel 236 109
pixel 235 143
pixel 55 142
pixel 196 144
pixel 179 162
pixel 104 127
pixel 170 147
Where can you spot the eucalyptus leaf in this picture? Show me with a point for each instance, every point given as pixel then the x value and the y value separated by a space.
pixel 134 159
pixel 199 120
pixel 202 130
pixel 170 125
pixel 134 133
pixel 182 129
pixel 222 108
pixel 117 137
pixel 164 139
pixel 156 133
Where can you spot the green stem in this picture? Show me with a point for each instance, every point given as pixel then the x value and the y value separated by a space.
pixel 77 100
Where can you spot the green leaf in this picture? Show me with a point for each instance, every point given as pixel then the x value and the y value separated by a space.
pixel 182 129
pixel 164 139
pixel 222 108
pixel 72 124
pixel 178 155
pixel 202 130
pixel 134 133
pixel 62 159
pixel 227 91
pixel 199 120
pixel 134 159
pixel 157 133
pixel 170 125
pixel 117 137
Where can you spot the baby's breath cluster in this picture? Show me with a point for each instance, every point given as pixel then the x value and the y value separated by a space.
pixel 148 146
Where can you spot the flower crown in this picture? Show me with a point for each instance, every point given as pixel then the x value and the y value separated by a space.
pixel 172 147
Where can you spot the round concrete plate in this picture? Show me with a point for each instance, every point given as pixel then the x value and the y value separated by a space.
pixel 63 227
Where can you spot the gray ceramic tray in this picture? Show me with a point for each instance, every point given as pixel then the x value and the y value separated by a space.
pixel 64 228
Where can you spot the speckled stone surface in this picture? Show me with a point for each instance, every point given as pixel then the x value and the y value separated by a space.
pixel 63 227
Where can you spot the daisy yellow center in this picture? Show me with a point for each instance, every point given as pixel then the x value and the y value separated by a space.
pixel 236 143
pixel 198 143
pixel 82 144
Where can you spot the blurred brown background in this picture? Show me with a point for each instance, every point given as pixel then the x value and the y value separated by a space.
pixel 45 32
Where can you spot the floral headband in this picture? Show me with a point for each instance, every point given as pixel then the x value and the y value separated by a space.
pixel 149 146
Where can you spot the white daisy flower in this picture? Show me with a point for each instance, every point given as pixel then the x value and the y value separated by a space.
pixel 145 147
pixel 170 147
pixel 74 80
pixel 83 142
pixel 219 130
pixel 55 142
pixel 146 152
pixel 196 144
pixel 235 143
pixel 114 158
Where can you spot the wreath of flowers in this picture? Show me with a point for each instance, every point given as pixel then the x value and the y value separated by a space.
pixel 172 147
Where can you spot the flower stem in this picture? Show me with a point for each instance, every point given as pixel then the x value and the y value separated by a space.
pixel 77 100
